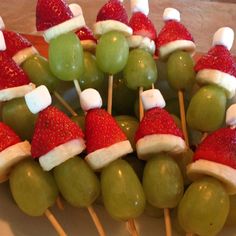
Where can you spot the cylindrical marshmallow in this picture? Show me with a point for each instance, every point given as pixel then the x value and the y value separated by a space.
pixel 38 99
pixel 231 115
pixel 171 14
pixel 2 42
pixel 90 99
pixel 76 9
pixel 152 98
pixel 2 25
pixel 140 6
pixel 224 36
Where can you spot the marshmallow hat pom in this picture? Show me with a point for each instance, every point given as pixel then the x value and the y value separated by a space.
pixel 224 36
pixel 171 14
pixel 76 9
pixel 38 99
pixel 140 6
pixel 231 115
pixel 2 25
pixel 2 42
pixel 90 99
pixel 152 98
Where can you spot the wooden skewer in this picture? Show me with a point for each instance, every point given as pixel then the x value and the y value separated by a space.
pixel 141 110
pixel 132 228
pixel 167 222
pixel 77 87
pixel 59 203
pixel 55 223
pixel 204 136
pixel 183 117
pixel 96 221
pixel 110 92
pixel 64 103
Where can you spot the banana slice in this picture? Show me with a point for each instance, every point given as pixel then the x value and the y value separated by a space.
pixel 24 54
pixel 88 45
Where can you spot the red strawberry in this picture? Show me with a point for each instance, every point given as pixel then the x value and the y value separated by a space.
pixel 141 25
pixel 157 121
pixel 86 34
pixel 11 75
pixel 51 12
pixel 219 147
pixel 15 42
pixel 101 130
pixel 7 137
pixel 218 58
pixel 113 10
pixel 52 129
pixel 172 31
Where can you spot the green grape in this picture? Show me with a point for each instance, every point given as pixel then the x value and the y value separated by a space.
pixel 136 108
pixel 161 70
pixel 183 160
pixel 129 127
pixel 77 183
pixel 206 110
pixel 123 98
pixel 122 191
pixel 80 121
pixel 136 164
pixel 112 52
pixel 175 222
pixel 180 69
pixel 16 114
pixel 231 219
pixel 66 57
pixel 204 208
pixel 37 68
pixel 1 106
pixel 140 70
pixel 153 211
pixel 166 91
pixel 33 189
pixel 163 182
pixel 92 77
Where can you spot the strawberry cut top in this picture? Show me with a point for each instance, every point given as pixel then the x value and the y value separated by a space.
pixel 219 147
pixel 172 31
pixel 11 75
pixel 157 121
pixel 101 130
pixel 15 42
pixel 7 137
pixel 86 34
pixel 218 58
pixel 50 13
pixel 142 25
pixel 52 129
pixel 113 10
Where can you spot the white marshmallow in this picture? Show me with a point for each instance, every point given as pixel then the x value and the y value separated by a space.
pixel 152 98
pixel 38 99
pixel 224 36
pixel 90 99
pixel 171 14
pixel 2 25
pixel 2 42
pixel 140 6
pixel 76 9
pixel 231 115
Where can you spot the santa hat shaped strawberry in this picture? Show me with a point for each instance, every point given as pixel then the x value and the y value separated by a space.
pixel 112 17
pixel 14 82
pixel 218 66
pixel 54 17
pixel 216 155
pixel 157 131
pixel 144 32
pixel 85 34
pixel 56 138
pixel 12 150
pixel 105 140
pixel 173 36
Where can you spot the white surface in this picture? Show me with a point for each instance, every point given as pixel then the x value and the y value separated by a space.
pixel 224 36
pixel 231 115
pixel 171 14
pixel 140 6
pixel 90 99
pixel 76 9
pixel 2 42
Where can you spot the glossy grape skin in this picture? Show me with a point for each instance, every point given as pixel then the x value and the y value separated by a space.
pixel 140 70
pixel 80 121
pixel 92 76
pixel 206 110
pixel 77 182
pixel 112 52
pixel 163 182
pixel 204 207
pixel 66 57
pixel 180 70
pixel 129 125
pixel 16 114
pixel 33 189
pixel 37 68
pixel 122 191
pixel 231 219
